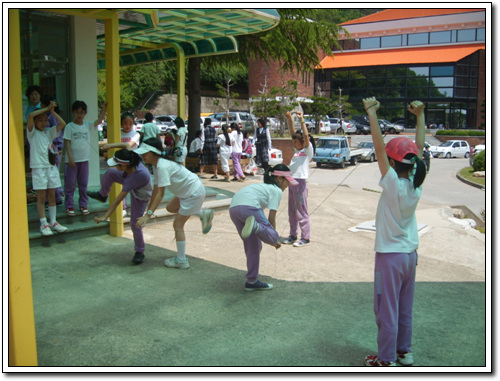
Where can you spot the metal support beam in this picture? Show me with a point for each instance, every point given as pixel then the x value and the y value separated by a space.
pixel 181 81
pixel 113 113
pixel 22 338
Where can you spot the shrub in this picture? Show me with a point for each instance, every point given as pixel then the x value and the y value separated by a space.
pixel 477 133
pixel 479 162
pixel 461 132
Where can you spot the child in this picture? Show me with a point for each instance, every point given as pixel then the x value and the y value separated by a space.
pixel 149 129
pixel 129 171
pixel 237 149
pixel 195 147
pixel 180 140
pixel 224 144
pixel 188 191
pixel 298 214
pixel 77 147
pixel 209 150
pixel 396 239
pixel 129 138
pixel 246 212
pixel 45 176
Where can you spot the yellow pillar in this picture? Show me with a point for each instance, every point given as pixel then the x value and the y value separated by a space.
pixel 113 113
pixel 181 81
pixel 22 338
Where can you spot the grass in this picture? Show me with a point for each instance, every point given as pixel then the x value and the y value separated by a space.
pixel 467 173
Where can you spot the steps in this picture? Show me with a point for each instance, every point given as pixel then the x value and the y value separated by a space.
pixel 82 226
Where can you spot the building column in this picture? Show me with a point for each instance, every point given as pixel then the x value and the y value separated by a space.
pixel 22 338
pixel 113 113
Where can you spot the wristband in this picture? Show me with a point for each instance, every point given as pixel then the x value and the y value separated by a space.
pixel 366 109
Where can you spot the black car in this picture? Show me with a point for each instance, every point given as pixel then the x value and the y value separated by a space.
pixel 363 124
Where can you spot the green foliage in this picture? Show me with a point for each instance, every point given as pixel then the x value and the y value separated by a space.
pixel 479 161
pixel 460 133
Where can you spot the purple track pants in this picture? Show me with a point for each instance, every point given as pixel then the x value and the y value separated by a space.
pixel 238 172
pixel 137 208
pixel 253 244
pixel 394 289
pixel 298 215
pixel 78 174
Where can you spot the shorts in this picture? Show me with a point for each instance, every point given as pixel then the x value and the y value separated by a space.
pixel 45 178
pixel 192 204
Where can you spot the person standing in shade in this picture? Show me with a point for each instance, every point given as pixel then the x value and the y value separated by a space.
pixel 224 144
pixel 247 213
pixel 149 129
pixel 262 143
pixel 209 150
pixel 189 195
pixel 180 141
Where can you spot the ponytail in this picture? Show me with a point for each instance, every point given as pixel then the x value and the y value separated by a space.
pixel 420 172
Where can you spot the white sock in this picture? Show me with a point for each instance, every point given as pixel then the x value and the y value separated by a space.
pixel 181 250
pixel 52 214
pixel 43 221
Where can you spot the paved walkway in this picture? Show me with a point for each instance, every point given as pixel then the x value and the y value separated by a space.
pixel 93 308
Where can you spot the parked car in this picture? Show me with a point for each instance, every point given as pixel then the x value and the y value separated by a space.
pixel 275 155
pixel 323 124
pixel 163 126
pixel 362 124
pixel 367 151
pixel 348 126
pixel 451 148
pixel 273 124
pixel 245 120
pixel 392 128
pixel 165 118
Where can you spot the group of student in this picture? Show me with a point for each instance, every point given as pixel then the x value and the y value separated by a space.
pixel 402 174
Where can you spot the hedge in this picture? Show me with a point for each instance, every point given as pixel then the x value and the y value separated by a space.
pixel 461 132
pixel 479 161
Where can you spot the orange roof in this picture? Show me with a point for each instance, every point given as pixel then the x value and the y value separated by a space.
pixel 381 57
pixel 398 14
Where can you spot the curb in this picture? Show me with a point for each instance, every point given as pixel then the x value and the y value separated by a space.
pixel 468 182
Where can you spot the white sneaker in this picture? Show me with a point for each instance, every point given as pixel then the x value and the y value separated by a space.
pixel 176 262
pixel 58 227
pixel 405 359
pixel 249 227
pixel 206 220
pixel 45 230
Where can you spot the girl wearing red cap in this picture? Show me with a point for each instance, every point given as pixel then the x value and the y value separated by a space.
pixel 396 239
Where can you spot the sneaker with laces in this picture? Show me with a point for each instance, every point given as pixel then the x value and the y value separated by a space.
pixel 84 210
pixel 249 227
pixel 138 258
pixel 374 361
pixel 97 196
pixel 45 230
pixel 302 242
pixel 58 227
pixel 206 220
pixel 70 212
pixel 291 239
pixel 405 358
pixel 258 286
pixel 177 263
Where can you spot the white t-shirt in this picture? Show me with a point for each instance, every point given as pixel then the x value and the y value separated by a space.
pixel 39 146
pixel 258 196
pixel 131 136
pixel 195 145
pixel 238 141
pixel 181 133
pixel 176 178
pixel 221 142
pixel 396 223
pixel 299 165
pixel 79 136
pixel 150 130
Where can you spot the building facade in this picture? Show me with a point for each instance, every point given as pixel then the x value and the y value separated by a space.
pixel 437 56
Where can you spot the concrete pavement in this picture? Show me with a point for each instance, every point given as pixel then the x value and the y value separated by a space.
pixel 93 308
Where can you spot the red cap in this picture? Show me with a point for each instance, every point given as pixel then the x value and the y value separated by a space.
pixel 398 148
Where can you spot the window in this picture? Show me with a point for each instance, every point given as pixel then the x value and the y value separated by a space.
pixel 466 35
pixel 442 81
pixel 481 34
pixel 420 71
pixel 438 71
pixel 370 43
pixel 389 41
pixel 440 37
pixel 418 39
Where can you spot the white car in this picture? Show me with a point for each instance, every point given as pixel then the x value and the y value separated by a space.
pixel 275 155
pixel 451 148
pixel 348 126
pixel 367 151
